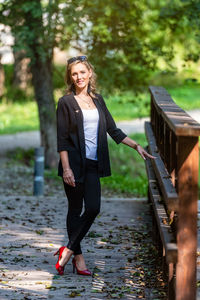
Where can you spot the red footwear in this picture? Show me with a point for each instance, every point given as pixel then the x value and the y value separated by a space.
pixel 59 268
pixel 84 272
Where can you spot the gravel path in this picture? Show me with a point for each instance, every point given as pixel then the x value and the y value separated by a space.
pixel 118 250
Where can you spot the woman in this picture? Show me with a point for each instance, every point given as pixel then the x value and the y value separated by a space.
pixel 83 121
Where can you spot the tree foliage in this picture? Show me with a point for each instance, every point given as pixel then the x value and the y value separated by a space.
pixel 32 19
pixel 182 18
pixel 32 25
pixel 123 39
pixel 119 38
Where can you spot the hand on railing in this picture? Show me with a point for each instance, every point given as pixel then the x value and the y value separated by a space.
pixel 131 143
pixel 144 154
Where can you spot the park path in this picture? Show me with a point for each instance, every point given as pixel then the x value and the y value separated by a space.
pixel 118 251
pixel 31 139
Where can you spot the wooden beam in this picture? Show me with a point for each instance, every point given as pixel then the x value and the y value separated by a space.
pixel 164 228
pixel 187 181
pixel 168 191
pixel 177 119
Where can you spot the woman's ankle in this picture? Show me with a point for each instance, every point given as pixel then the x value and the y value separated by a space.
pixel 78 257
pixel 67 253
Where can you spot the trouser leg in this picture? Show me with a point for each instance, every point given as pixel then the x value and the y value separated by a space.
pixel 75 204
pixel 92 196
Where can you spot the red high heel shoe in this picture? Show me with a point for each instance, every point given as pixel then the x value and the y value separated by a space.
pixel 60 268
pixel 84 272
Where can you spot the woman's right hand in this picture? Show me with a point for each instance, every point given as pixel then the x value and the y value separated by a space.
pixel 68 177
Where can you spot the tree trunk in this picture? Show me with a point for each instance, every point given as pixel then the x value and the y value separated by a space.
pixel 21 72
pixel 41 54
pixel 42 82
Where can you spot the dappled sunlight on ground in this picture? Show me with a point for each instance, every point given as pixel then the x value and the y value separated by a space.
pixel 117 251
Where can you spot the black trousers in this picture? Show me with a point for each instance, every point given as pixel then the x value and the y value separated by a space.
pixel 89 193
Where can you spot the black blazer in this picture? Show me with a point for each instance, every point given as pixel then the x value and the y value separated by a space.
pixel 70 135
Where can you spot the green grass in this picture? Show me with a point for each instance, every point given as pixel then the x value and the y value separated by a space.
pixel 18 117
pixel 128 169
pixel 187 96
pixel 128 106
pixel 19 155
pixel 23 116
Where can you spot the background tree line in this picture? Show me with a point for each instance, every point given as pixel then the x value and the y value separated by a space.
pixel 123 39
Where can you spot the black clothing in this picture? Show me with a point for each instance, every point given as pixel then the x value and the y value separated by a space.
pixel 77 224
pixel 70 135
pixel 70 138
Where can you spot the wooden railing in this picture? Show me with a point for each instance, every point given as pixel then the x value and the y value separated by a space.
pixel 173 189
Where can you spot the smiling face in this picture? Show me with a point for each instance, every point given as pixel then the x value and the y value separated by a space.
pixel 80 76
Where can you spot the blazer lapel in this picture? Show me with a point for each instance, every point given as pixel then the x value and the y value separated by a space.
pixel 102 137
pixel 79 119
pixel 99 108
pixel 102 125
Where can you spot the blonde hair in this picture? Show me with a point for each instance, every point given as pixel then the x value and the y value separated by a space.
pixel 70 84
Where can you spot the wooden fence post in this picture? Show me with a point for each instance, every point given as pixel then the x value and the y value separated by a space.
pixel 187 185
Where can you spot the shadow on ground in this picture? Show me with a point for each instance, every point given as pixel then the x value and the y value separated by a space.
pixel 118 250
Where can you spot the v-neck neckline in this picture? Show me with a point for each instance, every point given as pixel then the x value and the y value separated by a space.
pixel 79 105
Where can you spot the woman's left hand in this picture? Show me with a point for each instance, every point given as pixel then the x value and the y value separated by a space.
pixel 143 153
pixel 131 143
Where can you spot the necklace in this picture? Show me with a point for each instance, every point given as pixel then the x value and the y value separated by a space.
pixel 87 102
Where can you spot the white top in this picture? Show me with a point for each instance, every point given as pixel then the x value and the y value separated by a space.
pixel 90 125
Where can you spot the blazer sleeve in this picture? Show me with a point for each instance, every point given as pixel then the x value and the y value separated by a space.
pixel 116 133
pixel 62 117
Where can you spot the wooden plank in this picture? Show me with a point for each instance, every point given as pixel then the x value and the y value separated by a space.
pixel 168 191
pixel 177 119
pixel 166 235
pixel 187 173
pixel 171 282
pixel 173 157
